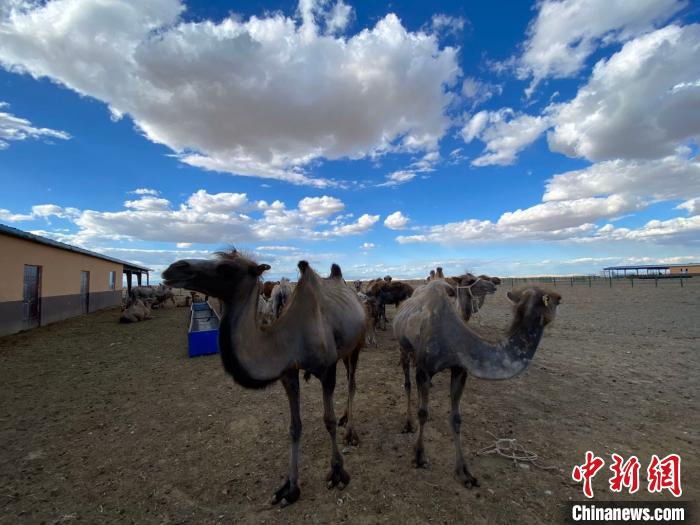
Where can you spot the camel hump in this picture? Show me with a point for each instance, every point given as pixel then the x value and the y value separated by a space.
pixel 303 265
pixel 336 272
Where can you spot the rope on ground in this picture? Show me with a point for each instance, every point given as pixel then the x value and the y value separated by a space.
pixel 510 449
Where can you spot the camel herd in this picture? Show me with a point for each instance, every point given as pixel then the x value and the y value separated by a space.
pixel 323 321
pixel 142 299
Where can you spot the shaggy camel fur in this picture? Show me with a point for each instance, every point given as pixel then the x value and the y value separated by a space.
pixel 323 323
pixel 281 294
pixel 431 333
pixel 136 311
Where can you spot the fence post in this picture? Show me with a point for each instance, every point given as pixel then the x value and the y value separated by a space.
pixel 656 282
pixel 589 281
pixel 632 281
pixel 554 281
pixel 611 281
pixel 572 282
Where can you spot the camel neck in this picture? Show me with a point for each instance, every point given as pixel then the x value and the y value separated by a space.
pixel 248 353
pixel 505 359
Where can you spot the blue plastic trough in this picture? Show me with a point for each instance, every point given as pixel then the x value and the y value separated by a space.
pixel 203 335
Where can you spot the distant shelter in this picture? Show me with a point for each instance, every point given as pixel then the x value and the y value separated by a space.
pixel 653 270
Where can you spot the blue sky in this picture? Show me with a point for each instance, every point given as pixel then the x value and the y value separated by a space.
pixel 503 138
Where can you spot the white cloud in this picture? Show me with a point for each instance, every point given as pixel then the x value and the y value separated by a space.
pixel 446 24
pixel 14 128
pixel 669 178
pixel 477 91
pixel 8 216
pixel 504 132
pixel 396 221
pixel 640 103
pixel 145 191
pixel 259 97
pixel 148 203
pixel 368 245
pixel 692 206
pixel 398 177
pixel 321 206
pixel 679 230
pixel 363 223
pixel 565 33
pixel 222 218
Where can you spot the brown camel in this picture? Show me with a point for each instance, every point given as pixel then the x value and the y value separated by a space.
pixel 471 292
pixel 267 288
pixel 388 292
pixel 322 324
pixel 431 333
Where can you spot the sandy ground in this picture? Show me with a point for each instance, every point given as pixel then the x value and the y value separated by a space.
pixel 101 422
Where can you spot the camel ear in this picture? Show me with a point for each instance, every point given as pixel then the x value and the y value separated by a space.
pixel 259 269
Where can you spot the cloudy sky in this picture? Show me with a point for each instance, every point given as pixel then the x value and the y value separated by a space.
pixel 498 137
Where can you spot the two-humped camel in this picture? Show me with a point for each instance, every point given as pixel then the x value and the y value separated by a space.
pixel 430 330
pixel 323 323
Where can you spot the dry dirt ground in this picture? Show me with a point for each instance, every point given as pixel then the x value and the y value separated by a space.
pixel 102 422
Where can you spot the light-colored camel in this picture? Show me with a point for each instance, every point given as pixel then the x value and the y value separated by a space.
pixel 323 323
pixel 266 314
pixel 281 293
pixel 431 333
pixel 136 311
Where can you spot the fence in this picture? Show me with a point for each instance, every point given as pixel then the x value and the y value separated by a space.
pixel 595 280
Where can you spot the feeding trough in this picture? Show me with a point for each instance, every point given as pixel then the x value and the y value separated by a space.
pixel 203 334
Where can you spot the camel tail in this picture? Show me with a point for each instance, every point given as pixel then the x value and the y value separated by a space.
pixel 336 272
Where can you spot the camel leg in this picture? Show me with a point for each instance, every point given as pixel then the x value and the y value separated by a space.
pixel 423 384
pixel 350 362
pixel 337 476
pixel 406 363
pixel 459 377
pixel 289 491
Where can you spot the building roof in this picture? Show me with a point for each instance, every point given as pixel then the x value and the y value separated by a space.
pixel 650 266
pixel 20 234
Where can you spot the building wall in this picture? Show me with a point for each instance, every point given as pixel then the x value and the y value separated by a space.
pixel 60 282
pixel 690 269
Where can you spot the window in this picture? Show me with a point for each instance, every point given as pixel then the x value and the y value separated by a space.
pixel 112 279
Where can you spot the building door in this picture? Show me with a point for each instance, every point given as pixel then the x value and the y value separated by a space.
pixel 85 291
pixel 31 305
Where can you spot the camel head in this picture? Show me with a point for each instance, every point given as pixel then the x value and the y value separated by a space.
pixel 479 286
pixel 533 306
pixel 230 273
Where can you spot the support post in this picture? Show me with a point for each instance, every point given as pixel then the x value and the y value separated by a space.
pixel 138 278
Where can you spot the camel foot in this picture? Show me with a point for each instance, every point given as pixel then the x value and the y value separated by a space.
pixel 343 420
pixel 337 477
pixel 464 476
pixel 286 494
pixel 408 428
pixel 421 460
pixel 351 437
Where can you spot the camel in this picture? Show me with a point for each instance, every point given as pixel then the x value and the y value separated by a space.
pixel 266 314
pixel 388 292
pixel 155 295
pixel 267 288
pixel 471 292
pixel 280 295
pixel 387 278
pixel 371 306
pixel 358 285
pixel 323 323
pixel 136 311
pixel 431 333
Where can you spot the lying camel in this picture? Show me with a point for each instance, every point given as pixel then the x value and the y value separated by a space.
pixel 136 311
